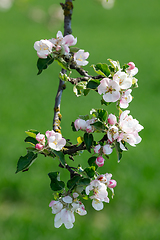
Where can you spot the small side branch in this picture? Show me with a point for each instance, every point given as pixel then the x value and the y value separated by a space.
pixel 85 79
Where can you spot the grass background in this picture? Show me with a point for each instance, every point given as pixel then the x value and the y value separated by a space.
pixel 128 32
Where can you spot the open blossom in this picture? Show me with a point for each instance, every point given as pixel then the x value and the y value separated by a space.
pixel 43 48
pixel 110 90
pixel 55 140
pixel 107 149
pixel 100 194
pixel 112 133
pixel 126 99
pixel 64 210
pixel 83 125
pixel 63 42
pixel 123 79
pixel 106 179
pixel 130 128
pixel 80 57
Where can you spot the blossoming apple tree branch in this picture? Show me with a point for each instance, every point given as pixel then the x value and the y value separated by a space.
pixel 114 83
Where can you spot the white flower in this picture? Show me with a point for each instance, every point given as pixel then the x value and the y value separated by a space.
pixel 112 133
pixel 107 149
pixel 43 48
pixel 132 70
pixel 61 42
pixel 100 194
pixel 80 124
pixel 55 140
pixel 126 99
pixel 79 208
pixel 123 79
pixel 80 57
pixel 64 216
pixel 112 119
pixel 56 206
pixel 110 89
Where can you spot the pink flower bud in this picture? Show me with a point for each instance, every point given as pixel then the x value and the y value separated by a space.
pixel 39 146
pixel 112 119
pixel 131 66
pixel 97 148
pixel 112 184
pixel 99 161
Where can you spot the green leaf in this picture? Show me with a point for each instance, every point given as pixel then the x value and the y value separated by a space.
pixel 86 91
pixel 25 162
pixel 88 139
pixel 62 63
pixel 91 162
pixel 105 103
pixel 101 69
pixel 73 181
pixel 99 126
pixel 102 114
pixel 73 127
pixel 55 184
pixel 74 49
pixel 90 171
pixel 43 63
pixel 32 133
pixel 93 84
pixel 31 140
pixel 60 155
pixel 84 117
pixel 84 182
pixel 118 150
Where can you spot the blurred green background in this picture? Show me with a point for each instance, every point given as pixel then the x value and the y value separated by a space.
pixel 130 31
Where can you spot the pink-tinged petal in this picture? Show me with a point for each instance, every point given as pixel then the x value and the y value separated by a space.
pixel 86 55
pixel 112 184
pixel 99 161
pixel 59 34
pixel 112 119
pixel 97 148
pixel 111 97
pixel 70 40
pixel 107 149
pixel 39 146
pixel 67 199
pixel 131 65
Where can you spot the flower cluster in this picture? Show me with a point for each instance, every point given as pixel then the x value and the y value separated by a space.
pixel 85 125
pixel 64 209
pixel 117 88
pixel 59 46
pixel 54 141
pixel 99 189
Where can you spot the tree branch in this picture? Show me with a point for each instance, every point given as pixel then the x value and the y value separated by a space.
pixel 67 7
pixel 79 79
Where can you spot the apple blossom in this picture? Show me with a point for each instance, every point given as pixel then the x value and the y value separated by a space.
pixel 99 161
pixel 40 138
pixel 79 208
pixel 43 48
pixel 126 99
pixel 39 146
pixel 112 119
pixel 56 206
pixel 80 57
pixel 107 149
pixel 80 124
pixel 110 90
pixel 100 194
pixel 61 42
pixel 97 148
pixel 123 79
pixel 112 133
pixel 55 140
pixel 132 70
pixel 64 216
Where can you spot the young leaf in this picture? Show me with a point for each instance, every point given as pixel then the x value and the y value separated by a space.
pixel 55 184
pixel 118 150
pixel 73 181
pixel 102 114
pixel 88 139
pixel 99 126
pixel 25 162
pixel 60 155
pixel 101 69
pixel 43 63
pixel 91 162
pixel 31 140
pixel 84 182
pixel 93 84
pixel 90 171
